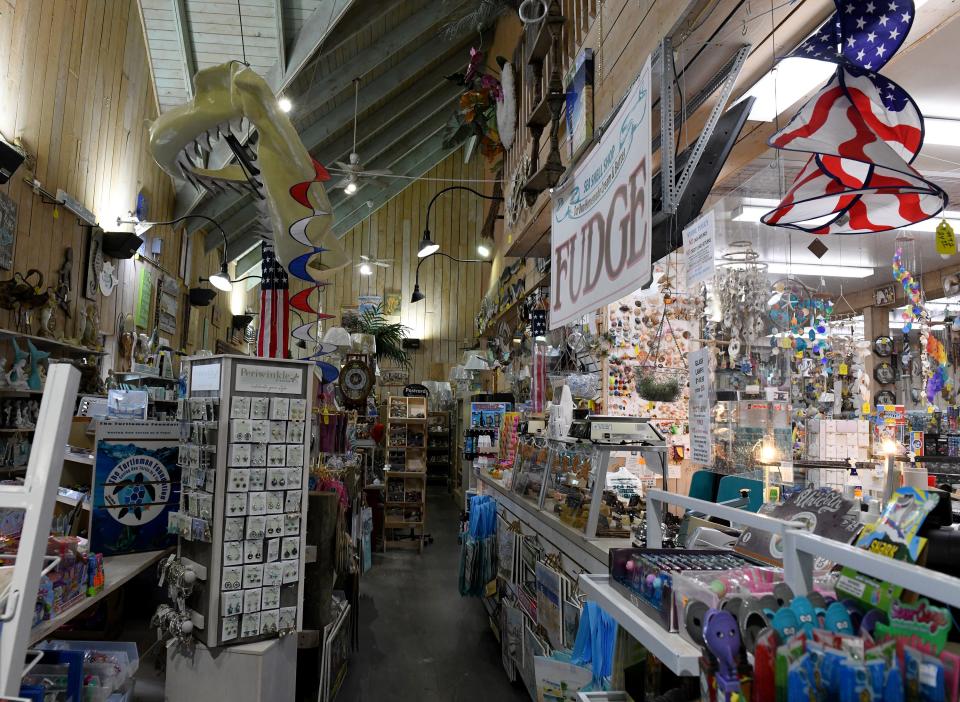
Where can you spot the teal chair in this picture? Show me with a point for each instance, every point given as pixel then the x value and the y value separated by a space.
pixel 731 485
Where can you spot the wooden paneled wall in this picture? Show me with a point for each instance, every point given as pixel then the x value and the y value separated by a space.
pixel 76 93
pixel 445 319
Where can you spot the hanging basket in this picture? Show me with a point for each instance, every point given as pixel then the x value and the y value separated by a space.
pixel 658 387
pixel 660 384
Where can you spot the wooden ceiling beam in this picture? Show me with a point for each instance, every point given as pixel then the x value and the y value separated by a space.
pixel 420 27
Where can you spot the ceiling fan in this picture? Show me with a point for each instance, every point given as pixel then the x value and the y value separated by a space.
pixel 354 173
pixel 366 263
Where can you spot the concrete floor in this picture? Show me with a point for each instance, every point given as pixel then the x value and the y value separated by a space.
pixel 420 641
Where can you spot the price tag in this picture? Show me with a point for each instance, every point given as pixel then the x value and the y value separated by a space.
pixel 866 408
pixel 843 369
pixel 946 240
pixel 930 409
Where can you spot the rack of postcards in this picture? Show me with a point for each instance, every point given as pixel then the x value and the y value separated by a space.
pixel 245 445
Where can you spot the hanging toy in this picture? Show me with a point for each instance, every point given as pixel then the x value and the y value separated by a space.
pixel 912 289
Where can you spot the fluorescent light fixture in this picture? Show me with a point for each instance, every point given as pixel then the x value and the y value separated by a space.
pixel 930 225
pixel 791 79
pixel 284 104
pixel 937 130
pixel 365 269
pixel 820 269
pixel 751 209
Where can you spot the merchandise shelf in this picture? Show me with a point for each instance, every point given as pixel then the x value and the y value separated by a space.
pixel 678 654
pixel 117 571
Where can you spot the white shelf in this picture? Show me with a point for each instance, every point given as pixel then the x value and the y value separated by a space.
pixel 117 571
pixel 72 502
pixel 678 654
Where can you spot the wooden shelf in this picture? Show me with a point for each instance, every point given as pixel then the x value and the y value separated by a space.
pixel 390 503
pixel 117 571
pixel 407 420
pixel 540 116
pixel 403 473
pixel 543 179
pixel 400 525
pixel 45 342
pixel 24 393
pixel 14 430
pixel 540 46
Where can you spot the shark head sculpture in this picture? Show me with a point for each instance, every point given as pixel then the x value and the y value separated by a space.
pixel 232 100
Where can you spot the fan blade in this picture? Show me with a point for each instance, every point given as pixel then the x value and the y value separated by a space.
pixel 375 173
pixel 381 264
pixel 342 183
pixel 343 166
pixel 365 258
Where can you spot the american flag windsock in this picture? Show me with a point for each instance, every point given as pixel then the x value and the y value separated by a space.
pixel 862 130
pixel 274 334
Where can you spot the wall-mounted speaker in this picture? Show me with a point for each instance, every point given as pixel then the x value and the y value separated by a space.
pixel 10 159
pixel 121 244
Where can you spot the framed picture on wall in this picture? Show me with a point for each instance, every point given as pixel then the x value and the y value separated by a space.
pixel 216 317
pixel 886 295
pixel 8 231
pixel 91 284
pixel 391 304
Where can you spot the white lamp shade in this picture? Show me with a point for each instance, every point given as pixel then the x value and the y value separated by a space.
pixel 475 363
pixel 338 336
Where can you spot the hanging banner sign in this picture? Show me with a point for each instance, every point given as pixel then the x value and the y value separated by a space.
pixel 600 229
pixel 701 449
pixel 698 238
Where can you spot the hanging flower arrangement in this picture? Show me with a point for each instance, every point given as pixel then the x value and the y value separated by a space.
pixel 477 109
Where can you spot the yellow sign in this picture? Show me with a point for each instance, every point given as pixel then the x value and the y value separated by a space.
pixel 866 408
pixel 843 369
pixel 946 240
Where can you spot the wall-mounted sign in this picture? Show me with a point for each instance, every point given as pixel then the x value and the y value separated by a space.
pixel 701 448
pixel 698 238
pixel 416 390
pixel 284 380
pixel 600 229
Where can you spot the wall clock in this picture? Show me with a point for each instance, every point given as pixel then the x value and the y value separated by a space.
pixel 884 374
pixel 356 381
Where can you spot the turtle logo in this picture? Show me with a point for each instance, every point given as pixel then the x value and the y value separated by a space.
pixel 138 490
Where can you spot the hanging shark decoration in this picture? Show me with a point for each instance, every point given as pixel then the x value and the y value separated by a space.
pixel 230 101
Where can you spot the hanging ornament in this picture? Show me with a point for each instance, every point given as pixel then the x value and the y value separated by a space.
pixel 911 287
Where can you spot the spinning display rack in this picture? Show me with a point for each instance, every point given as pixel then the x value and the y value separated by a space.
pixel 244 453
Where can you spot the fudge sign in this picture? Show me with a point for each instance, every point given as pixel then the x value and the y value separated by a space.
pixel 600 233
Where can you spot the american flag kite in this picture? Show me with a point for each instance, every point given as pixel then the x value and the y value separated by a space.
pixel 274 333
pixel 862 130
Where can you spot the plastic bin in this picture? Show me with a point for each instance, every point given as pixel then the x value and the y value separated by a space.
pixel 127 655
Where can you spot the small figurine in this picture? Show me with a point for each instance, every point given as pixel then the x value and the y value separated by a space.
pixel 48 317
pixel 34 382
pixel 64 278
pixel 141 349
pixel 91 332
pixel 16 377
pixel 3 370
pixel 18 421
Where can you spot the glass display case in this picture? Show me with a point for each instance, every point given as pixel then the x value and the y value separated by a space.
pixel 531 464
pixel 747 433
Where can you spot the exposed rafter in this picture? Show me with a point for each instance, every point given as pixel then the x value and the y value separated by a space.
pixel 419 27
pixel 281 42
pixel 186 44
pixel 428 160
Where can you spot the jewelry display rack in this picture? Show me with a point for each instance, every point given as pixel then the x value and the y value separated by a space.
pixel 246 445
pixel 405 474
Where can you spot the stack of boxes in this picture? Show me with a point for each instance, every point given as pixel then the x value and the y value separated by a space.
pixel 838 439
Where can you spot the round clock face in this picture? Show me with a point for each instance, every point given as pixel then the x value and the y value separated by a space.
pixel 355 381
pixel 884 374
pixel 883 346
